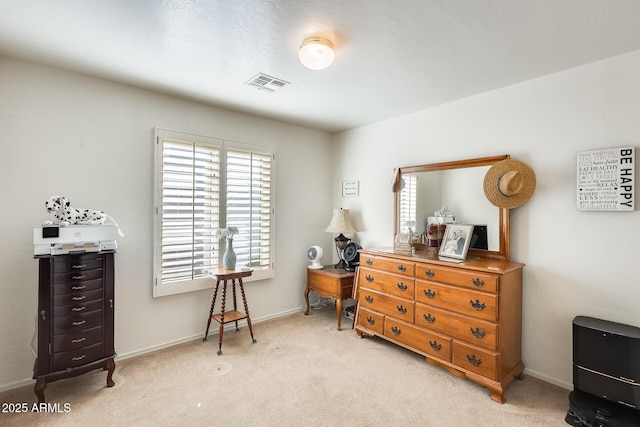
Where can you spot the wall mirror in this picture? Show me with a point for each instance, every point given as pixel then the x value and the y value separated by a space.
pixel 458 185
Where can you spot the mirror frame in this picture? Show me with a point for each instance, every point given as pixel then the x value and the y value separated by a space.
pixel 504 251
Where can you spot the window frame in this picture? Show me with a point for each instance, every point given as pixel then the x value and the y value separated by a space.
pixel 224 145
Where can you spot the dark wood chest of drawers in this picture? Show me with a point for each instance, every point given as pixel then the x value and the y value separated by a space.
pixel 465 317
pixel 76 299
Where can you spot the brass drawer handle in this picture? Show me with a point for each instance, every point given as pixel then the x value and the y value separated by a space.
pixel 402 268
pixel 402 286
pixel 75 359
pixel 474 360
pixel 77 288
pixel 78 340
pixel 369 262
pixel 82 322
pixel 79 308
pixel 79 266
pixel 477 305
pixel 434 345
pixel 371 320
pixel 396 330
pixel 429 318
pixel 401 309
pixel 478 282
pixel 79 298
pixel 429 293
pixel 369 299
pixel 430 273
pixel 478 333
pixel 79 277
pixel 369 278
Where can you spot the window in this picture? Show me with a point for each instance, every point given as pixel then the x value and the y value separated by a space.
pixel 408 203
pixel 203 184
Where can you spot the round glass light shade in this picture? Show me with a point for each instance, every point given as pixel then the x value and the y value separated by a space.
pixel 316 53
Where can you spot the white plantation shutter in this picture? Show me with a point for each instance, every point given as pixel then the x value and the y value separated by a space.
pixel 408 202
pixel 203 184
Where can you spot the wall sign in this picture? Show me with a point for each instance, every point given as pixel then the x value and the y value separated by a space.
pixel 606 180
pixel 350 188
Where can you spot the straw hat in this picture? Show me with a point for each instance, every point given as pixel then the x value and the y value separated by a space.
pixel 509 184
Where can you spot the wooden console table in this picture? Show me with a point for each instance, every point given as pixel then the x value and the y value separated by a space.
pixel 222 277
pixel 330 282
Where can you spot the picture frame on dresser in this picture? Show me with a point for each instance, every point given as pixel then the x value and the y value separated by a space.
pixel 456 242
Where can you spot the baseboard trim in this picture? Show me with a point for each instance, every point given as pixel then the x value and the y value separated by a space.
pixel 548 379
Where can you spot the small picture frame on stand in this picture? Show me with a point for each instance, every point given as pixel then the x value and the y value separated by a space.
pixel 455 243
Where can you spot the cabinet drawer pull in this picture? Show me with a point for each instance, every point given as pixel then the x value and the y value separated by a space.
pixel 369 262
pixel 79 277
pixel 396 330
pixel 429 318
pixel 82 322
pixel 434 345
pixel 369 299
pixel 402 286
pixel 371 320
pixel 429 293
pixel 79 266
pixel 474 360
pixel 477 305
pixel 369 278
pixel 401 309
pixel 430 273
pixel 79 298
pixel 79 340
pixel 478 333
pixel 402 268
pixel 75 359
pixel 77 288
pixel 477 282
pixel 79 308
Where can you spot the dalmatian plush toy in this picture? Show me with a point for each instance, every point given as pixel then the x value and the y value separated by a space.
pixel 66 215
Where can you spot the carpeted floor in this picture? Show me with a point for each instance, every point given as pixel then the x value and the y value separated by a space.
pixel 301 371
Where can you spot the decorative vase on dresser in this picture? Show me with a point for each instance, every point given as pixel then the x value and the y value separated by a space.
pixel 465 317
pixel 76 299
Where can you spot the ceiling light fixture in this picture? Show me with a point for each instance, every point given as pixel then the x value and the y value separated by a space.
pixel 316 53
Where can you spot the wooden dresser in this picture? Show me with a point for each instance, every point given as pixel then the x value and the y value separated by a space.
pixel 465 317
pixel 75 317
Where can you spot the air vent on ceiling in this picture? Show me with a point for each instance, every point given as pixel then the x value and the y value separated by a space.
pixel 265 82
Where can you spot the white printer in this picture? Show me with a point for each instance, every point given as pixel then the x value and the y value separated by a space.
pixel 56 240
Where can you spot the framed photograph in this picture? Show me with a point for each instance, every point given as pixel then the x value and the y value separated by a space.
pixel 455 243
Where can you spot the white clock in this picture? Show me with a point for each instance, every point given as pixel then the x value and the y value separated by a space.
pixel 315 254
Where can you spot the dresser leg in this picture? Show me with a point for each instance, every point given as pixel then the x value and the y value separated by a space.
pixel 339 311
pixel 111 366
pixel 41 383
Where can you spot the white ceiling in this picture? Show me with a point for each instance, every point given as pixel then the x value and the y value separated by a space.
pixel 393 57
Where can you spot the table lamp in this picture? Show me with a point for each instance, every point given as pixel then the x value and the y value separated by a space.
pixel 340 223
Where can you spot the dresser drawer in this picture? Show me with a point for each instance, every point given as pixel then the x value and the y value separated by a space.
pixel 393 284
pixel 78 308
pixel 388 265
pixel 476 360
pixel 392 306
pixel 66 342
pixel 427 342
pixel 78 322
pixel 81 356
pixel 474 331
pixel 77 297
pixel 472 303
pixel 371 320
pixel 77 262
pixel 467 278
pixel 77 287
pixel 77 276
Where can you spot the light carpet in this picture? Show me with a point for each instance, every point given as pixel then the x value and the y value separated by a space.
pixel 301 372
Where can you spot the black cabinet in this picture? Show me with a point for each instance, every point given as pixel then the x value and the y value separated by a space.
pixel 75 317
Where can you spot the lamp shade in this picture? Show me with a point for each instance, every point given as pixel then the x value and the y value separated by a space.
pixel 340 222
pixel 316 53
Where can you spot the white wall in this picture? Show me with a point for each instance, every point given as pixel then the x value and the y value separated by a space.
pixel 67 134
pixel 577 263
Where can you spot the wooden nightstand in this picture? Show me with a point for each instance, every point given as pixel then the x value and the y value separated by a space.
pixel 330 282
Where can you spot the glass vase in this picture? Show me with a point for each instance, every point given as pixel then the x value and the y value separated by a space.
pixel 229 257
